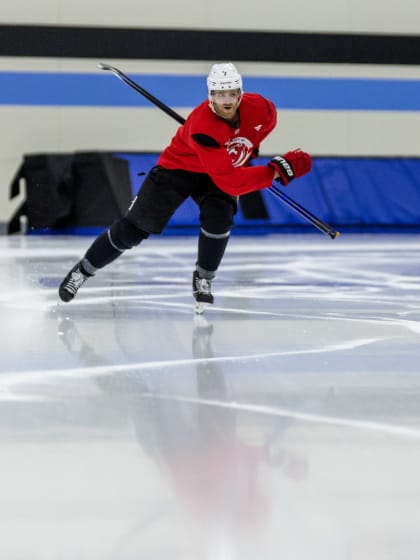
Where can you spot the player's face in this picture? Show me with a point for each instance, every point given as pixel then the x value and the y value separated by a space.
pixel 225 103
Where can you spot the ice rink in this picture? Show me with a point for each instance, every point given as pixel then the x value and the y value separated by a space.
pixel 284 424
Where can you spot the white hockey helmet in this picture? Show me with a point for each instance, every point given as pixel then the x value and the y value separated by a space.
pixel 223 77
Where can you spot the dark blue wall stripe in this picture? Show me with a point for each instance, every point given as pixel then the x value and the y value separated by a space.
pixel 77 89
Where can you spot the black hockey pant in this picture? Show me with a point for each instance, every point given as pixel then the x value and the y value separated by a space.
pixel 161 193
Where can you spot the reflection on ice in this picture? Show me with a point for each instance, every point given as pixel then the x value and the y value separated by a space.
pixel 282 423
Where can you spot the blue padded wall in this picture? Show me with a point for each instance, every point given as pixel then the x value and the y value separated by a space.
pixel 353 193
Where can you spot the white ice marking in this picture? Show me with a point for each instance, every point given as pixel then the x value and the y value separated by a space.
pixel 13 397
pixel 389 429
pixel 18 377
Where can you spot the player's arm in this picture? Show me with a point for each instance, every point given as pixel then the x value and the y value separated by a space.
pixel 218 165
pixel 271 119
pixel 242 180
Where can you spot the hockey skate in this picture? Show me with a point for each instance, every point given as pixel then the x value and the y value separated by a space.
pixel 71 283
pixel 201 292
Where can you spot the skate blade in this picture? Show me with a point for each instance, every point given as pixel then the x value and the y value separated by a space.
pixel 200 307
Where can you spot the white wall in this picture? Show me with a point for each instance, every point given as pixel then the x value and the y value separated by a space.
pixel 392 16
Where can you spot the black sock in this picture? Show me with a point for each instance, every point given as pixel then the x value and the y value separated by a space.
pixel 211 251
pixel 101 252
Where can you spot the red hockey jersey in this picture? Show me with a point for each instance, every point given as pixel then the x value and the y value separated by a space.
pixel 207 144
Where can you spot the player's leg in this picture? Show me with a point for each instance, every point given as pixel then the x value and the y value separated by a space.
pixel 106 248
pixel 216 220
pixel 158 198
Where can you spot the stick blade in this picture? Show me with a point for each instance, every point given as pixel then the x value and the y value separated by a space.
pixel 104 66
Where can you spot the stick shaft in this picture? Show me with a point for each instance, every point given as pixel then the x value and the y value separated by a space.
pixel 143 92
pixel 316 222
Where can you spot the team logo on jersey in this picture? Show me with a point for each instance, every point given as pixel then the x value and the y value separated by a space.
pixel 258 127
pixel 239 150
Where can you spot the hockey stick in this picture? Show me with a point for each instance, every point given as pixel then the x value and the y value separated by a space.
pixel 142 91
pixel 317 222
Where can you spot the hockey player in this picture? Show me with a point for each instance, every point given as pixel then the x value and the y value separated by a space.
pixel 207 160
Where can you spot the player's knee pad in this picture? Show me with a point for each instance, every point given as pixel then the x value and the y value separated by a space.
pixel 216 216
pixel 124 235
